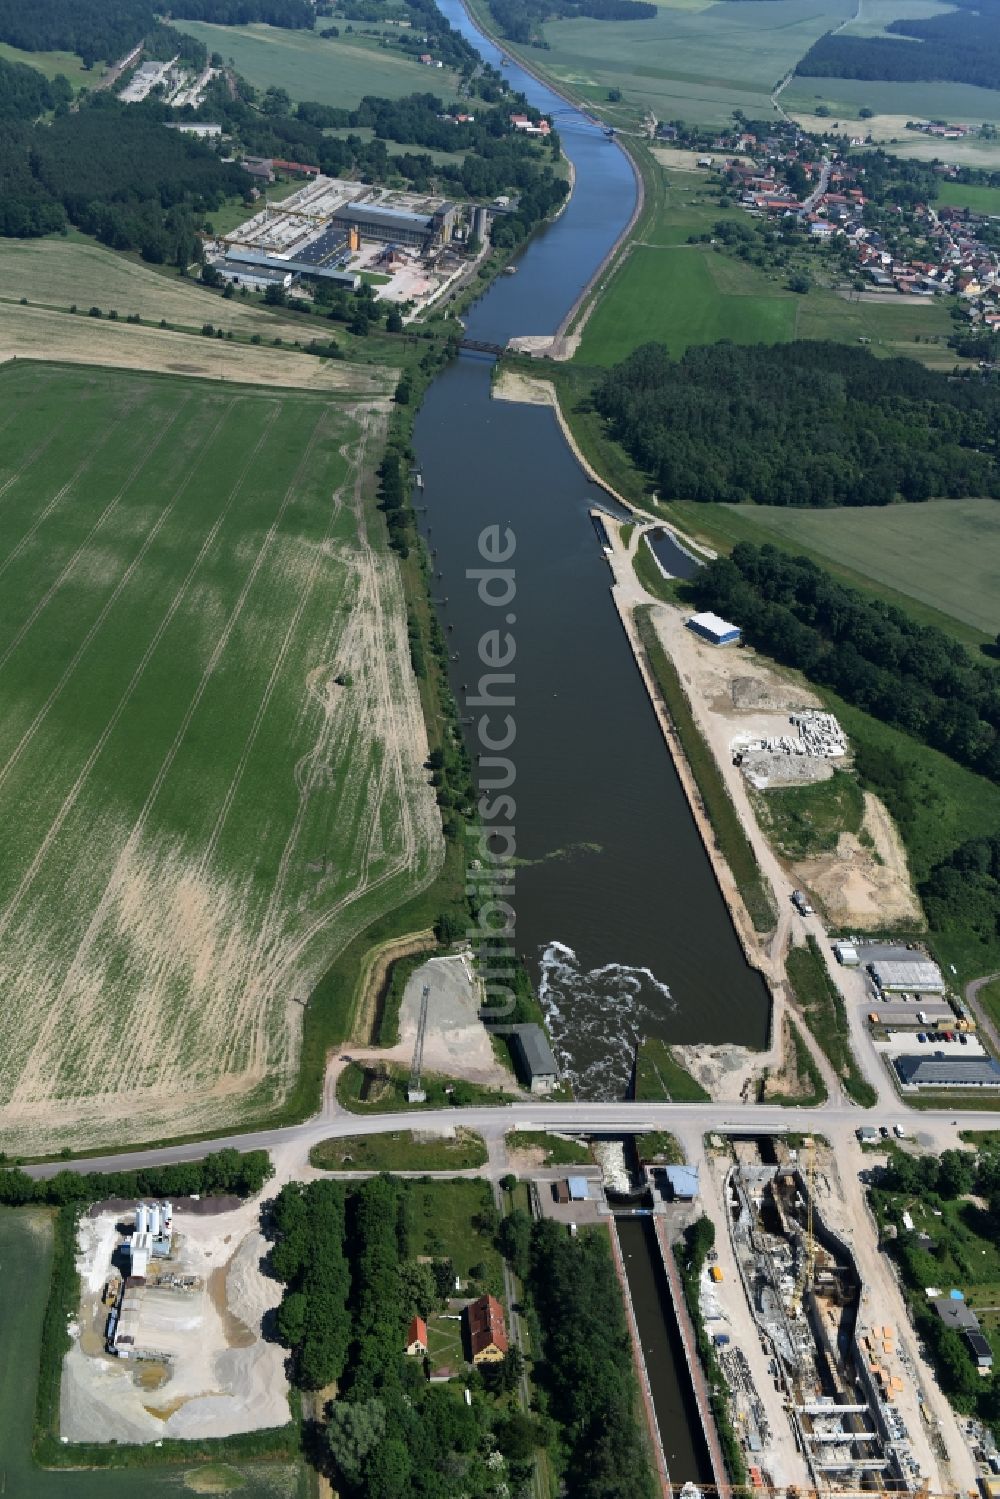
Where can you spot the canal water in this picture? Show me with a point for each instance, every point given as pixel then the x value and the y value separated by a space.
pixel 663 1353
pixel 618 914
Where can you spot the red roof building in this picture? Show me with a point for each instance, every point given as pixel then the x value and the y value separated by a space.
pixel 487 1330
pixel 416 1338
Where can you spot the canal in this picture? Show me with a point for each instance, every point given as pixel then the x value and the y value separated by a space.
pixel 618 914
pixel 673 1398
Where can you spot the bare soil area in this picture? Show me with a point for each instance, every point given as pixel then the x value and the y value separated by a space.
pixel 36 333
pixel 861 885
pixel 736 694
pixel 220 1377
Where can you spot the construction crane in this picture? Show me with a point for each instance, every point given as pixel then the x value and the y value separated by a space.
pixel 414 1092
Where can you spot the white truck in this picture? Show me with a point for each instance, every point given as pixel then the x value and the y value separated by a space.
pixel 801 903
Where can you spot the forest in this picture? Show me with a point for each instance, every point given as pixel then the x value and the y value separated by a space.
pixel 105 30
pixel 25 93
pixel 912 676
pixel 961 46
pixel 961 895
pixel 805 423
pixel 522 20
pixel 355 1276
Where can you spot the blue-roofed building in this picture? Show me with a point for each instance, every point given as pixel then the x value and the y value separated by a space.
pixel 683 1182
pixel 579 1188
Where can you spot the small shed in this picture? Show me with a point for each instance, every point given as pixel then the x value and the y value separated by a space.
pixel 416 1338
pixel 579 1188
pixel 683 1182
pixel 536 1059
pixel 713 629
pixel 980 1350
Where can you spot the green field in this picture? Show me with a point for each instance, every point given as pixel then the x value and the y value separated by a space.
pixel 970 195
pixel 402 1151
pixel 26 1257
pixel 337 71
pixel 945 553
pixel 683 294
pixel 876 15
pixel 910 101
pixel 696 64
pixel 801 821
pixel 210 744
pixel 51 63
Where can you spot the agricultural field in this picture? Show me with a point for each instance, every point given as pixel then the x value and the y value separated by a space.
pixel 691 62
pixel 906 101
pixel 970 195
pixel 875 16
pixel 62 273
pixel 211 745
pixel 337 71
pixel 36 333
pixel 683 294
pixel 945 553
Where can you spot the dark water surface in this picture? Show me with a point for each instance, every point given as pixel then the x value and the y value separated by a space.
pixel 618 913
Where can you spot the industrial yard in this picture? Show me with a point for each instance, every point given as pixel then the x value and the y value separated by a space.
pixel 168 1340
pixel 410 246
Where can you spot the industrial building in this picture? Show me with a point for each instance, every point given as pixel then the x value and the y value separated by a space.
pixel 378 220
pixel 242 266
pixel 908 975
pixel 253 277
pixel 153 1235
pixel 535 1057
pixel 940 1071
pixel 713 629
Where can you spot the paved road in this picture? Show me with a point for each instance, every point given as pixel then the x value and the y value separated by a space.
pixel 689 1121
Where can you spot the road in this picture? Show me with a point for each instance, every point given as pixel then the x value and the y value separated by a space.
pixel 689 1122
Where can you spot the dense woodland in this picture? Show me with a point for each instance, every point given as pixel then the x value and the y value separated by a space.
pixel 962 893
pixel 25 93
pixel 912 676
pixel 354 1273
pixel 961 46
pixel 522 20
pixel 804 423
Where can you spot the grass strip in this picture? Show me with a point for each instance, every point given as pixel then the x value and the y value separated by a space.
pixel 806 1071
pixel 730 838
pixel 558 1150
pixel 381 1089
pixel 401 1151
pixel 659 1076
pixel 825 1013
pixel 660 1146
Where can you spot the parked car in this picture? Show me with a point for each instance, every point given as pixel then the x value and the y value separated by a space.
pixel 921 1038
pixel 963 1038
pixel 883 1130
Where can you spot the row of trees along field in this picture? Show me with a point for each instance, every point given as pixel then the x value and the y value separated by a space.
pixel 961 46
pixel 803 423
pixel 522 20
pixel 584 1375
pixel 349 1259
pixel 912 676
pixel 218 1172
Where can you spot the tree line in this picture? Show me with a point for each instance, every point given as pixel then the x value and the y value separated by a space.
pixel 522 20
pixel 962 46
pixel 803 423
pixel 221 1171
pixel 912 676
pixel 353 1278
pixel 25 93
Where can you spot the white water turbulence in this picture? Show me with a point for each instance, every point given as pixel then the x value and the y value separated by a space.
pixel 596 1017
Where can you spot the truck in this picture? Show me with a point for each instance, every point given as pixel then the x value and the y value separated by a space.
pixel 801 903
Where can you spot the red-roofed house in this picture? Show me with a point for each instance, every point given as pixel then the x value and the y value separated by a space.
pixel 487 1330
pixel 416 1338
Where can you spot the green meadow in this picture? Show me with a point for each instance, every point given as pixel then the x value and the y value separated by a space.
pixel 972 195
pixel 51 63
pixel 210 744
pixel 338 71
pixel 910 101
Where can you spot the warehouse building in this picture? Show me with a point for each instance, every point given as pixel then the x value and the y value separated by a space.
pixel 913 975
pixel 253 277
pixel 940 1071
pixel 244 263
pixel 710 627
pixel 398 226
pixel 534 1054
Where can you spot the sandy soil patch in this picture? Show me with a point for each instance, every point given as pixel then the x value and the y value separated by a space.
pixel 730 1074
pixel 377 966
pixel 524 390
pixel 222 1377
pixel 784 1080
pixel 861 886
pixel 35 333
pixel 456 1042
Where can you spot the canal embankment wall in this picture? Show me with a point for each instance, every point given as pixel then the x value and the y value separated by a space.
pixel 638 1358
